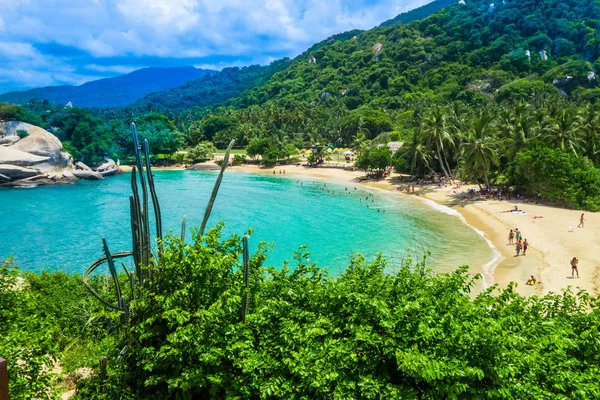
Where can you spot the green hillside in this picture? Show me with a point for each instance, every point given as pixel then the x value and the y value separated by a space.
pixel 419 13
pixel 460 53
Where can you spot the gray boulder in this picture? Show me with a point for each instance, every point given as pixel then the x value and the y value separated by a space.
pixel 39 142
pixel 107 165
pixel 9 140
pixel 68 176
pixel 4 178
pixel 14 172
pixel 10 155
pixel 88 174
pixel 205 167
pixel 81 166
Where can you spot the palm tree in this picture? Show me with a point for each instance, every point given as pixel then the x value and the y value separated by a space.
pixel 479 148
pixel 590 119
pixel 436 129
pixel 563 132
pixel 416 152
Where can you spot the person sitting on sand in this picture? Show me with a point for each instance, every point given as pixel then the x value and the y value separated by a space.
pixel 511 237
pixel 574 264
pixel 525 246
pixel 531 281
pixel 581 220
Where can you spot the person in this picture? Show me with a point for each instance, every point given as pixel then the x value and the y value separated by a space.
pixel 574 264
pixel 518 248
pixel 511 237
pixel 525 246
pixel 517 234
pixel 581 219
pixel 531 281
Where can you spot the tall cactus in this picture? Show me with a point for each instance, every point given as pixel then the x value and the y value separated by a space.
pixel 246 260
pixel 140 227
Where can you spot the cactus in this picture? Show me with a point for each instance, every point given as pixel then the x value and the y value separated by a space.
pixel 215 190
pixel 246 278
pixel 140 229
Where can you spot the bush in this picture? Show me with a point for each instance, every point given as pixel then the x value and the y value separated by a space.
pixel 238 159
pixel 559 176
pixel 366 334
pixel 202 152
pixel 22 133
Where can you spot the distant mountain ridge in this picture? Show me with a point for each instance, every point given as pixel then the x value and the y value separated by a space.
pixel 111 92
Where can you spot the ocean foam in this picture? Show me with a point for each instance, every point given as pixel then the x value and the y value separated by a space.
pixel 488 268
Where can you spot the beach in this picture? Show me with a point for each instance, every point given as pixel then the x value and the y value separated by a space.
pixel 554 239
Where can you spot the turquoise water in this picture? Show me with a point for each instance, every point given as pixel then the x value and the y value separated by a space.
pixel 60 227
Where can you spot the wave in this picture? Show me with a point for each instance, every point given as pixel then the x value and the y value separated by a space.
pixel 489 267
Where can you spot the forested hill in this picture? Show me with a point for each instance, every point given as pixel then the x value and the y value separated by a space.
pixel 211 89
pixel 419 13
pixel 470 51
pixel 110 92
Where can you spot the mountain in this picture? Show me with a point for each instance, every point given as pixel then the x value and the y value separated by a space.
pixel 111 92
pixel 419 13
pixel 211 89
pixel 471 51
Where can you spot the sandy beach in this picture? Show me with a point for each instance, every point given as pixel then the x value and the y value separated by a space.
pixel 554 239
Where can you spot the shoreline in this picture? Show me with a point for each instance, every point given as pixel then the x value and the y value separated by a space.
pixel 554 239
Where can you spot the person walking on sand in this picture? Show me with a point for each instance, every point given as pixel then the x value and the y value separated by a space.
pixel 517 234
pixel 518 248
pixel 581 220
pixel 574 264
pixel 511 237
pixel 525 246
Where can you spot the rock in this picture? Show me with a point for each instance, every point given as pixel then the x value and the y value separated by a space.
pixel 205 167
pixel 4 178
pixel 10 140
pixel 14 172
pixel 109 164
pixel 52 176
pixel 108 172
pixel 88 174
pixel 81 166
pixel 10 155
pixel 68 175
pixel 39 142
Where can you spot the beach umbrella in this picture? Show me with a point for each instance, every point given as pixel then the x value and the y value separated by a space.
pixel 349 153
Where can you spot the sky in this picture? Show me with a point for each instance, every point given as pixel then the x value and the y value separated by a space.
pixel 56 42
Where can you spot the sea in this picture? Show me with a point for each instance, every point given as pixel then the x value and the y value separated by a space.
pixel 60 227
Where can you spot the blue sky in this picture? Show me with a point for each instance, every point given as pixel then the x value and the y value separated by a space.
pixel 55 42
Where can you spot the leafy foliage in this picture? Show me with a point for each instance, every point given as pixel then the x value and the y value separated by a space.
pixel 365 334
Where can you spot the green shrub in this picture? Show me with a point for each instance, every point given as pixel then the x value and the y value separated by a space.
pixel 22 133
pixel 559 176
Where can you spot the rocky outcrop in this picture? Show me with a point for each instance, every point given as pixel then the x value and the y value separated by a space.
pixel 87 174
pixel 10 155
pixel 9 140
pixel 205 167
pixel 14 172
pixel 30 156
pixel 39 142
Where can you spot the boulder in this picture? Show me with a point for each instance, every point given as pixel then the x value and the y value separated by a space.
pixel 4 178
pixel 39 142
pixel 107 165
pixel 68 175
pixel 205 167
pixel 9 140
pixel 81 166
pixel 108 172
pixel 10 155
pixel 88 174
pixel 14 172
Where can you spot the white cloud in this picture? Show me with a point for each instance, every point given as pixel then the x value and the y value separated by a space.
pixel 176 29
pixel 118 69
